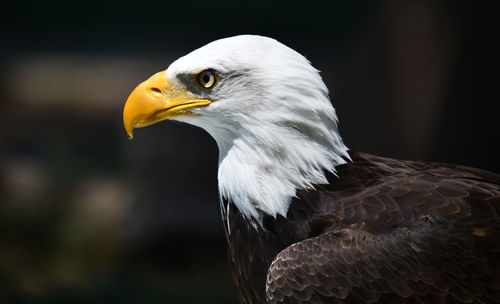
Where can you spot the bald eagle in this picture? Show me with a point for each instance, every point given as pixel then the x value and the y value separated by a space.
pixel 306 219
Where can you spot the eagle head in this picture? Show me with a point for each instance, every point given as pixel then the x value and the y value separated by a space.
pixel 266 107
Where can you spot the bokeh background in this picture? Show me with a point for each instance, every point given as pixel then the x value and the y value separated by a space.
pixel 88 216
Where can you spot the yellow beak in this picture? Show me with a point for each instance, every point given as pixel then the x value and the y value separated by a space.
pixel 157 99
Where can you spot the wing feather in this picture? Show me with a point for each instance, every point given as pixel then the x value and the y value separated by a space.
pixel 422 235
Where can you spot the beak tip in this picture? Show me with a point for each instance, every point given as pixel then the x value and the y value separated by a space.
pixel 130 134
pixel 128 124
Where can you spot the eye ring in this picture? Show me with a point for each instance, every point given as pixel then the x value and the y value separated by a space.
pixel 206 79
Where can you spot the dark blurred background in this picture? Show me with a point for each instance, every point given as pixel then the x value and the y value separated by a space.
pixel 87 215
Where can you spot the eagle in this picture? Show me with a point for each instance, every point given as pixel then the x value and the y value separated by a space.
pixel 308 220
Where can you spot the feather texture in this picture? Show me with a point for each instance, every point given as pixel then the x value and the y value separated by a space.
pixel 383 231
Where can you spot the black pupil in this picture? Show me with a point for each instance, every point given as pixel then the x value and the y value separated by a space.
pixel 206 78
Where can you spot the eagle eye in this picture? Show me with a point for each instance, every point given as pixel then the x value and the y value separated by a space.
pixel 206 79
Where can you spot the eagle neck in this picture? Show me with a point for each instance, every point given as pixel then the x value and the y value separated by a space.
pixel 262 166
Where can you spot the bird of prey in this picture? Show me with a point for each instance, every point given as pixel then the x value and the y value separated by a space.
pixel 306 219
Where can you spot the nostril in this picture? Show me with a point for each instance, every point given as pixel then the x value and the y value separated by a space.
pixel 156 90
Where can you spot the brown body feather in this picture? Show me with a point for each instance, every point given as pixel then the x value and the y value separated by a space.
pixel 383 231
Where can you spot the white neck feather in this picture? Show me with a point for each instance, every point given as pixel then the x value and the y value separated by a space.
pixel 260 174
pixel 261 165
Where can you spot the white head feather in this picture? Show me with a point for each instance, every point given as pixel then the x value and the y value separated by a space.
pixel 271 118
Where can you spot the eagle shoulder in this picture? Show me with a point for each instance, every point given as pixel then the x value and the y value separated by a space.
pixel 391 231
